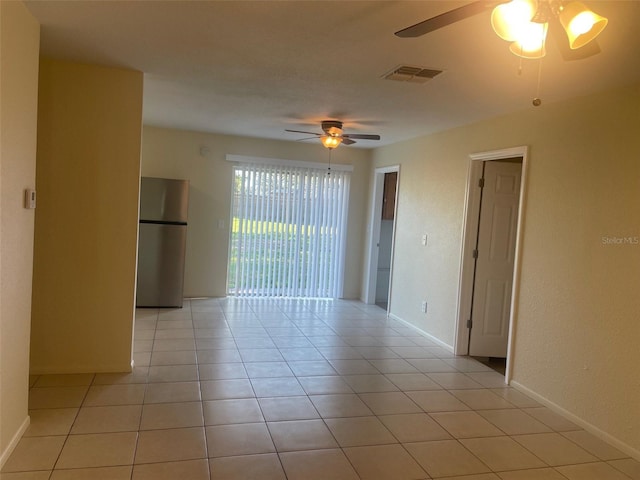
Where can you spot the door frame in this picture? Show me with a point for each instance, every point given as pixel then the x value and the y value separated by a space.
pixel 375 222
pixel 471 216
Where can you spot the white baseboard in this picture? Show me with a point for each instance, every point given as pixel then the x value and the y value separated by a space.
pixel 602 435
pixel 14 441
pixel 70 369
pixel 435 340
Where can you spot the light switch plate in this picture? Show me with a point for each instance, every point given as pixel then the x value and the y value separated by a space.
pixel 30 198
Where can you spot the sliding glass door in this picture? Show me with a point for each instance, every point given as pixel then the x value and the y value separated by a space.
pixel 289 231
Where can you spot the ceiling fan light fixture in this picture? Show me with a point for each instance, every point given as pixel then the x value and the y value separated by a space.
pixel 531 41
pixel 517 49
pixel 581 24
pixel 334 131
pixel 507 19
pixel 330 141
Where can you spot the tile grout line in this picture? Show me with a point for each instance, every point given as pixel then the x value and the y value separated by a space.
pixel 204 426
pixel 146 383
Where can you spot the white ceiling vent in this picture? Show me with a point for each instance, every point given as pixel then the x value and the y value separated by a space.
pixel 406 73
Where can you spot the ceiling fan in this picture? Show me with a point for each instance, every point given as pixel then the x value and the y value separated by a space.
pixel 333 135
pixel 525 23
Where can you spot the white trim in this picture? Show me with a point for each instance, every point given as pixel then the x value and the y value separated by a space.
pixel 375 222
pixel 469 232
pixel 14 441
pixel 435 340
pixel 374 234
pixel 389 169
pixel 521 151
pixel 81 368
pixel 290 163
pixel 602 435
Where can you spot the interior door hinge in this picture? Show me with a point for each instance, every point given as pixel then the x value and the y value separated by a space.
pixel 475 254
pixel 481 182
pixel 469 323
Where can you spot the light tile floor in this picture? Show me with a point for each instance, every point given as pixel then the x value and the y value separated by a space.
pixel 229 389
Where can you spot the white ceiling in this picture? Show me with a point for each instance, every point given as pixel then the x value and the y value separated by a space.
pixel 256 68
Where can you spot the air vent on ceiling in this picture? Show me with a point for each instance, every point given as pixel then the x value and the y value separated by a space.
pixel 406 73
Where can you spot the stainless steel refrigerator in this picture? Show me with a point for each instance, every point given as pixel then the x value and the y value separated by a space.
pixel 162 242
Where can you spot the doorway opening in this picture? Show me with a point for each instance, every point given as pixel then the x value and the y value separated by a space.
pixel 497 364
pixel 489 277
pixel 381 239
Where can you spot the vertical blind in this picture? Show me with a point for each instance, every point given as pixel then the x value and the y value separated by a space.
pixel 289 231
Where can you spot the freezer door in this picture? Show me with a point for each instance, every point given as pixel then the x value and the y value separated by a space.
pixel 161 251
pixel 164 200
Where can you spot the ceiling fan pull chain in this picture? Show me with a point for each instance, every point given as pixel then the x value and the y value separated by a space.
pixel 537 101
pixel 329 169
pixel 520 66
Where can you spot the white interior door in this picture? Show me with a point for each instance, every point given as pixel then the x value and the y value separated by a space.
pixel 497 230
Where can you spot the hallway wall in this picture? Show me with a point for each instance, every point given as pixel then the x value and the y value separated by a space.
pixel 19 48
pixel 88 167
pixel 577 328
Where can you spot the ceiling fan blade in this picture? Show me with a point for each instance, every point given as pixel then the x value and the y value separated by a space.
pixel 361 136
pixel 300 131
pixel 347 141
pixel 306 138
pixel 444 19
pixel 562 42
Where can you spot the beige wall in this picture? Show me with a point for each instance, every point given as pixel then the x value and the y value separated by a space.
pixel 177 154
pixel 19 47
pixel 430 201
pixel 88 165
pixel 577 328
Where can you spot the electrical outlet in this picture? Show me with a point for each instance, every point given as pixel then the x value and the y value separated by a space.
pixel 423 307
